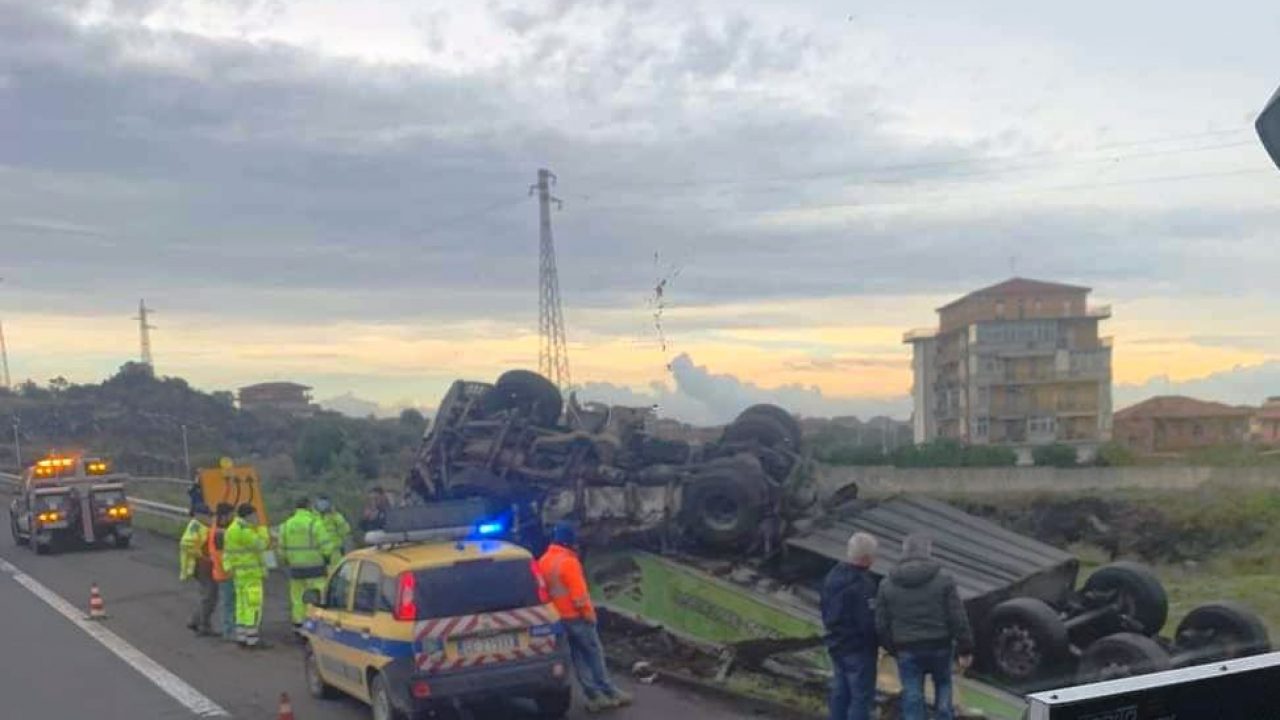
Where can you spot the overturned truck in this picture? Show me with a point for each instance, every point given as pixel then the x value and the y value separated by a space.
pixel 516 442
pixel 747 499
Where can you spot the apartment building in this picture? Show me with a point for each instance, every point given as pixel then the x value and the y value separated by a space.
pixel 1018 364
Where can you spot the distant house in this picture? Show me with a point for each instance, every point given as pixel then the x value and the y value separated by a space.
pixel 1174 423
pixel 1266 422
pixel 282 397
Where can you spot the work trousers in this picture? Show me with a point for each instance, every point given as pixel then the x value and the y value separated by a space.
pixel 853 686
pixel 248 608
pixel 588 659
pixel 227 597
pixel 298 586
pixel 913 665
pixel 207 599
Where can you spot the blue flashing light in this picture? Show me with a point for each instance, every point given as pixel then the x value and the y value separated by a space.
pixel 489 528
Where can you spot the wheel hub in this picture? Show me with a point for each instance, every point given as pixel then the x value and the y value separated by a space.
pixel 1016 651
pixel 721 512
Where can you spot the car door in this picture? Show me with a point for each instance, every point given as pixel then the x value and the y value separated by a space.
pixel 333 655
pixel 369 629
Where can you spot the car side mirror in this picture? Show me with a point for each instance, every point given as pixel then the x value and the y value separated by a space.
pixel 312 597
pixel 1268 125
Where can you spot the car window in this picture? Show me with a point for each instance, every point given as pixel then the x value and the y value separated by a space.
pixel 368 589
pixel 338 595
pixel 475 586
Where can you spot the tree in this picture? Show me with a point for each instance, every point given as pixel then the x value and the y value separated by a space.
pixel 989 456
pixel 320 441
pixel 1113 454
pixel 1055 455
pixel 412 418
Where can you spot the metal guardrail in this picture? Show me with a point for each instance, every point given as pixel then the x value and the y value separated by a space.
pixel 9 481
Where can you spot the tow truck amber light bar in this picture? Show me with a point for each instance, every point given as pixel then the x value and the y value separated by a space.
pixel 120 512
pixel 49 517
pixel 97 467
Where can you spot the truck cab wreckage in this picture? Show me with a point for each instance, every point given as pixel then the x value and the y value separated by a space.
pixel 724 544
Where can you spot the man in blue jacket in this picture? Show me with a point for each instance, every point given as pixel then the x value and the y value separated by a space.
pixel 849 616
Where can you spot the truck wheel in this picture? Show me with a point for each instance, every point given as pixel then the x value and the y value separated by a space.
pixel 13 527
pixel 1026 639
pixel 1141 597
pixel 530 393
pixel 778 415
pixel 123 541
pixel 724 509
pixel 42 548
pixel 554 704
pixel 316 685
pixel 1220 631
pixel 1121 655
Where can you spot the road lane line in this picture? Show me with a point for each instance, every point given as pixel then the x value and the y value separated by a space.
pixel 171 684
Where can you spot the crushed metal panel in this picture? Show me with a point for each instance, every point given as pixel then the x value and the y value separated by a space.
pixel 982 556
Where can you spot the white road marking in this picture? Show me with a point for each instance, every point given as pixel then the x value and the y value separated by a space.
pixel 171 684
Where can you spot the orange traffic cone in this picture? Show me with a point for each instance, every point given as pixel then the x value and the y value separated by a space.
pixel 286 708
pixel 97 608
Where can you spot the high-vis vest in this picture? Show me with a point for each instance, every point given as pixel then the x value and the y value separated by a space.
pixel 191 548
pixel 305 543
pixel 567 583
pixel 243 548
pixel 214 543
pixel 337 525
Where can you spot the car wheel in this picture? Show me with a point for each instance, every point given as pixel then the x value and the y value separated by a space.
pixel 380 700
pixel 1138 591
pixel 530 393
pixel 554 704
pixel 1026 640
pixel 316 685
pixel 724 509
pixel 1121 655
pixel 1220 631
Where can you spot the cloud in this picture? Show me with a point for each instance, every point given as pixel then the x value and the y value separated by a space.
pixel 703 397
pixel 1242 385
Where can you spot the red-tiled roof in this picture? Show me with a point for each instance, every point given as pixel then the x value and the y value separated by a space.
pixel 1020 287
pixel 283 385
pixel 1179 406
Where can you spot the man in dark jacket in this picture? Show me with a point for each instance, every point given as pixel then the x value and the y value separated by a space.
pixel 921 621
pixel 848 614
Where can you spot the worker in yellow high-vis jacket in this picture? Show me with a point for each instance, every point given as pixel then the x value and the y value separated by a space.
pixel 305 546
pixel 244 555
pixel 339 527
pixel 194 564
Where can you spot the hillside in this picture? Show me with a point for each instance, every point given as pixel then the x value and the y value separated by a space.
pixel 137 419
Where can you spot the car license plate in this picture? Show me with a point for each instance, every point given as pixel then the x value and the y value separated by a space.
pixel 488 645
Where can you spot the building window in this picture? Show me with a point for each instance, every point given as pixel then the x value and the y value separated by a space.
pixel 999 308
pixel 981 427
pixel 1035 307
pixel 1197 430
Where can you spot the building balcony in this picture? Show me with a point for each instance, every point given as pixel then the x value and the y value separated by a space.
pixel 1046 378
pixel 1098 311
pixel 919 334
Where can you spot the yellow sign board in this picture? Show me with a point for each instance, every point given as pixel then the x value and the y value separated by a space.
pixel 234 484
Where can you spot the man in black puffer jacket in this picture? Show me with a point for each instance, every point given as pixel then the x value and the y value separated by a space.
pixel 848 614
pixel 921 621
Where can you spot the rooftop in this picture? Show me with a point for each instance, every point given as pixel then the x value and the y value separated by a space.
pixel 1019 287
pixel 1180 406
pixel 282 385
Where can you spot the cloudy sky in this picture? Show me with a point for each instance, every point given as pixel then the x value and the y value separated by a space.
pixel 336 192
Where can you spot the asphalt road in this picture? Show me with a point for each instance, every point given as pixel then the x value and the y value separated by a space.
pixel 47 654
pixel 54 670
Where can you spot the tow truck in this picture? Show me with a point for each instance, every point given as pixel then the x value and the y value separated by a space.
pixel 71 499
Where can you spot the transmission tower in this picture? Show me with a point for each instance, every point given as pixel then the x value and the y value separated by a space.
pixel 144 332
pixel 553 354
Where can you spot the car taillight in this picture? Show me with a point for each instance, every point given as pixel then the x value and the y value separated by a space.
pixel 544 595
pixel 406 606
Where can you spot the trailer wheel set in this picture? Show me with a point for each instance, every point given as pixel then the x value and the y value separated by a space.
pixel 1110 629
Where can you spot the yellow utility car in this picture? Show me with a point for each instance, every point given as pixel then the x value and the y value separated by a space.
pixel 437 613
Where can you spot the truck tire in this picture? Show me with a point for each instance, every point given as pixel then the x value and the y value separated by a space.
pixel 1026 640
pixel 778 415
pixel 123 541
pixel 527 392
pixel 13 527
pixel 1121 655
pixel 1142 598
pixel 723 509
pixel 1220 631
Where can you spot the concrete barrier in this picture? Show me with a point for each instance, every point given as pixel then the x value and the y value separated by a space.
pixel 968 481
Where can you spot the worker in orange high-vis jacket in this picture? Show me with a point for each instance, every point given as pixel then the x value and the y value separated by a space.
pixel 568 586
pixel 226 585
